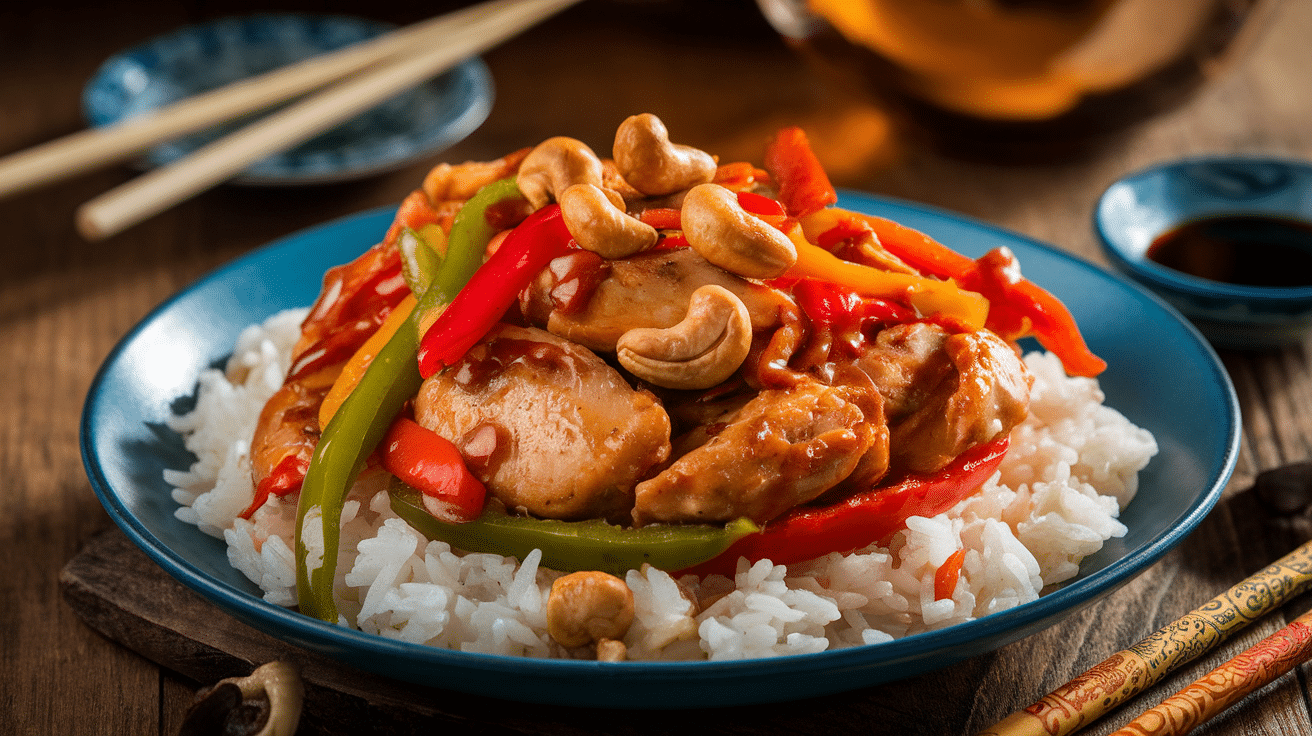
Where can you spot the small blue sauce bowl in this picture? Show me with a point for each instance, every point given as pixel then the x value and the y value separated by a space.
pixel 1136 211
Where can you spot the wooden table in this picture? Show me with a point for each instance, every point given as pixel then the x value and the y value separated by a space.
pixel 722 81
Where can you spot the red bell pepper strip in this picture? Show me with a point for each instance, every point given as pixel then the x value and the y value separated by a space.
pixel 494 286
pixel 761 205
pixel 803 184
pixel 830 304
pixel 1017 307
pixel 917 249
pixel 285 479
pixel 739 175
pixel 662 218
pixel 845 313
pixel 427 461
pixel 947 575
pixel 875 515
pixel 1020 308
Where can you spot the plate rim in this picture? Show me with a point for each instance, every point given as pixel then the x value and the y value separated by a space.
pixel 320 636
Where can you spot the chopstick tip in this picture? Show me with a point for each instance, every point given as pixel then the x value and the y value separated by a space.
pixel 88 226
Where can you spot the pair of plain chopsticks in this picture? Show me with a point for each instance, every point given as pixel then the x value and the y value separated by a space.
pixel 1129 672
pixel 361 77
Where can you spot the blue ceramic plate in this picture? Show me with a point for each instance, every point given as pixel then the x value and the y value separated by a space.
pixel 195 59
pixel 1152 352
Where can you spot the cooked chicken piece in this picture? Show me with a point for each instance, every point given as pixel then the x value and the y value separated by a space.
pixel 945 393
pixel 547 425
pixel 650 289
pixel 355 300
pixel 905 363
pixel 783 448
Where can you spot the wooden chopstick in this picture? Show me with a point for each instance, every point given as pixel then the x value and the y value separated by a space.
pixel 1227 684
pixel 1130 671
pixel 96 147
pixel 160 189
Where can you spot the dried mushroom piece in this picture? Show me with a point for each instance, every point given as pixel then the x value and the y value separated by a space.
pixel 266 703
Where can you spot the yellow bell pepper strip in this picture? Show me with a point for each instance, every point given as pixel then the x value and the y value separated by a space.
pixel 1019 308
pixel 390 380
pixel 493 288
pixel 420 262
pixel 428 462
pixel 354 369
pixel 571 546
pixel 803 184
pixel 929 296
pixel 807 532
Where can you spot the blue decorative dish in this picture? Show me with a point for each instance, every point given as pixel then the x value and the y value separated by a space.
pixel 1152 352
pixel 195 59
pixel 1139 208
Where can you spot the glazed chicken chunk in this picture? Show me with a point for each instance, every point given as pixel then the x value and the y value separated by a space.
pixel 945 393
pixel 784 447
pixel 549 427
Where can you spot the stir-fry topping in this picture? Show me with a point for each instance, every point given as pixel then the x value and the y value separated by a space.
pixel 652 359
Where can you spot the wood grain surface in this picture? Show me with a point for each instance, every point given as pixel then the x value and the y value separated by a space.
pixel 722 81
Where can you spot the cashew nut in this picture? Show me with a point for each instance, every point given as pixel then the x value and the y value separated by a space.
pixel 601 227
pixel 699 352
pixel 652 164
pixel 555 165
pixel 586 607
pixel 725 234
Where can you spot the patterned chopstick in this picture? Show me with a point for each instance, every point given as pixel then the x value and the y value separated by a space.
pixel 1131 671
pixel 1227 684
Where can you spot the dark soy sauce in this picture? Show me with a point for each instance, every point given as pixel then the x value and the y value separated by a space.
pixel 1248 250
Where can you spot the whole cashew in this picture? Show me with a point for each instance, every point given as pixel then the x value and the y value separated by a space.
pixel 699 352
pixel 555 165
pixel 653 165
pixel 586 607
pixel 725 234
pixel 601 227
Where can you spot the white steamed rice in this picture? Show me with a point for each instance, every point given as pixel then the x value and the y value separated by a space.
pixel 1073 465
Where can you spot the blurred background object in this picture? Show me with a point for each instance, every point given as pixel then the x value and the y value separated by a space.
pixel 1031 79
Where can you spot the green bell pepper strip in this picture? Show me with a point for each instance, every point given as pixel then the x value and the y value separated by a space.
pixel 419 262
pixel 470 233
pixel 570 546
pixel 367 413
pixel 343 448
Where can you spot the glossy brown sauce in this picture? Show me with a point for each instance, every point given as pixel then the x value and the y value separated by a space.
pixel 490 359
pixel 1247 250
